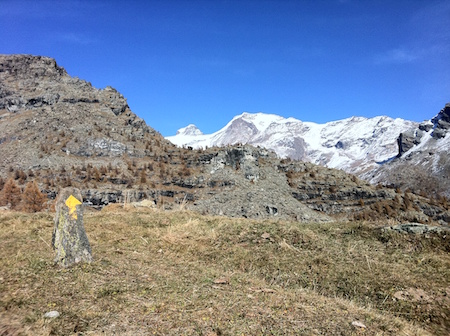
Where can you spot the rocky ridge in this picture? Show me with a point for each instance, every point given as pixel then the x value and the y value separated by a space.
pixel 60 131
pixel 39 98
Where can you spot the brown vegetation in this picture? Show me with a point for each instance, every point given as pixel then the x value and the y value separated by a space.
pixel 178 273
pixel 10 194
pixel 32 198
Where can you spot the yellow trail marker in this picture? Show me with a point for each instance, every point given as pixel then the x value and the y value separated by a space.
pixel 72 203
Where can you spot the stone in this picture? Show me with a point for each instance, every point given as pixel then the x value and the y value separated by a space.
pixel 69 238
pixel 358 324
pixel 146 203
pixel 265 235
pixel 52 314
pixel 222 281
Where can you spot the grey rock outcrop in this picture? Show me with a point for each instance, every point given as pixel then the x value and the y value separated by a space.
pixel 252 187
pixel 44 109
pixel 416 228
pixel 28 71
pixel 408 140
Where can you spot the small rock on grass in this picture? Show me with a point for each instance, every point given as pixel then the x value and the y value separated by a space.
pixel 222 281
pixel 52 314
pixel 265 235
pixel 358 324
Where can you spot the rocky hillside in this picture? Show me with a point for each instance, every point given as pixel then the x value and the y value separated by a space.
pixel 423 160
pixel 355 145
pixel 50 119
pixel 60 131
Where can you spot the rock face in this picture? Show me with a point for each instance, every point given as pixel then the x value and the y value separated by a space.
pixel 250 186
pixel 438 127
pixel 69 239
pixel 58 87
pixel 408 140
pixel 441 123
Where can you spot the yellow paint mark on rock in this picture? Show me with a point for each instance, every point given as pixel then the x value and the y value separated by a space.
pixel 72 203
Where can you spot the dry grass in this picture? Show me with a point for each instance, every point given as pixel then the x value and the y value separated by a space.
pixel 178 273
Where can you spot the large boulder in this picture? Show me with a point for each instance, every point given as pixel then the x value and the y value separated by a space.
pixel 69 238
pixel 407 140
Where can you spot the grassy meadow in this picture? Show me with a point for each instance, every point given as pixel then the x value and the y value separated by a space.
pixel 179 273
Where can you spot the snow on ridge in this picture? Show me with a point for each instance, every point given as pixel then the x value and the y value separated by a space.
pixel 351 144
pixel 259 119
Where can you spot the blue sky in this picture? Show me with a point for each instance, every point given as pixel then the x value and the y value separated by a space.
pixel 203 62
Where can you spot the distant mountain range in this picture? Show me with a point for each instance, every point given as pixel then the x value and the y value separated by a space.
pixel 355 145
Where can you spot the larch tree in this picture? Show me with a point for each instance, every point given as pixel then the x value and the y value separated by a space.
pixel 32 198
pixel 10 194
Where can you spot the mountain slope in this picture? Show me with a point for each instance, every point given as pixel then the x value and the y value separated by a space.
pixel 355 145
pixel 423 162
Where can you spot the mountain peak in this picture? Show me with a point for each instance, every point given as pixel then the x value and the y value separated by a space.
pixel 190 129
pixel 259 119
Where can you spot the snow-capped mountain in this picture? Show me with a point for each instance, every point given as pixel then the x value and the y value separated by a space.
pixel 424 158
pixel 356 145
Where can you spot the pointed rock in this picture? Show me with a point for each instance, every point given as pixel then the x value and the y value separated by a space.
pixel 69 238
